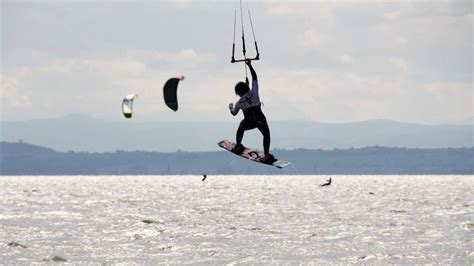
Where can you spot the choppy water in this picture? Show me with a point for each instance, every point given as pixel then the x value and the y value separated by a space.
pixel 237 219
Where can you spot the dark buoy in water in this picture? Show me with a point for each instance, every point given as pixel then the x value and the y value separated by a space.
pixel 204 177
pixel 328 182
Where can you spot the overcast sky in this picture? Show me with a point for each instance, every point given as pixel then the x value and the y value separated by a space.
pixel 329 61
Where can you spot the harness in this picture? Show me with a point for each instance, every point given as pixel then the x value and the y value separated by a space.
pixel 254 114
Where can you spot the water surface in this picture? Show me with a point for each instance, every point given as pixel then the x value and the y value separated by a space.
pixel 237 219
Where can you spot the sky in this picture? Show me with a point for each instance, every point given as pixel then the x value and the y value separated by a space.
pixel 327 61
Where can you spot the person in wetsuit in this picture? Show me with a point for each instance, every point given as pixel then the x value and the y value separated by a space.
pixel 328 182
pixel 250 104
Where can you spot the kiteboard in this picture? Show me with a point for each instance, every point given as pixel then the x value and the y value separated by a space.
pixel 251 154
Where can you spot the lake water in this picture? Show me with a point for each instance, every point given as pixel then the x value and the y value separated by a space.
pixel 237 219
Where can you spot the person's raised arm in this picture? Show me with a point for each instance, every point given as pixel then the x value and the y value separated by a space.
pixel 254 77
pixel 252 71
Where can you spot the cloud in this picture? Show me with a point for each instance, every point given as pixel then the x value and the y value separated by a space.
pixel 303 13
pixel 294 8
pixel 187 58
pixel 323 95
pixel 346 59
pixel 95 86
pixel 183 3
pixel 392 15
pixel 448 101
pixel 190 58
pixel 136 63
pixel 11 94
pixel 125 66
pixel 98 86
pixel 312 39
pixel 92 86
pixel 344 96
pixel 280 9
pixel 322 9
pixel 400 64
pixel 330 61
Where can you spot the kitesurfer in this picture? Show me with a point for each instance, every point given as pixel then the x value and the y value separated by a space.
pixel 250 104
pixel 328 183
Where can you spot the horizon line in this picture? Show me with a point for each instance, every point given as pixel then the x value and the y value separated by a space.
pixel 466 122
pixel 221 150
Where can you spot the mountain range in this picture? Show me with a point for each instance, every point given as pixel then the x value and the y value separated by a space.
pixel 28 159
pixel 85 133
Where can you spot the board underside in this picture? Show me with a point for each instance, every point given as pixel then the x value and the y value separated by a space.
pixel 251 154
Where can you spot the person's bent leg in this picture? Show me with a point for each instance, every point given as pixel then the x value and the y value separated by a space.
pixel 244 125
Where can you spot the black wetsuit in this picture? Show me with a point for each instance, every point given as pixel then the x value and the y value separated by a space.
pixel 254 118
pixel 253 115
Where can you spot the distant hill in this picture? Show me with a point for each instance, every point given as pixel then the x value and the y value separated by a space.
pixel 19 149
pixel 84 133
pixel 27 159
